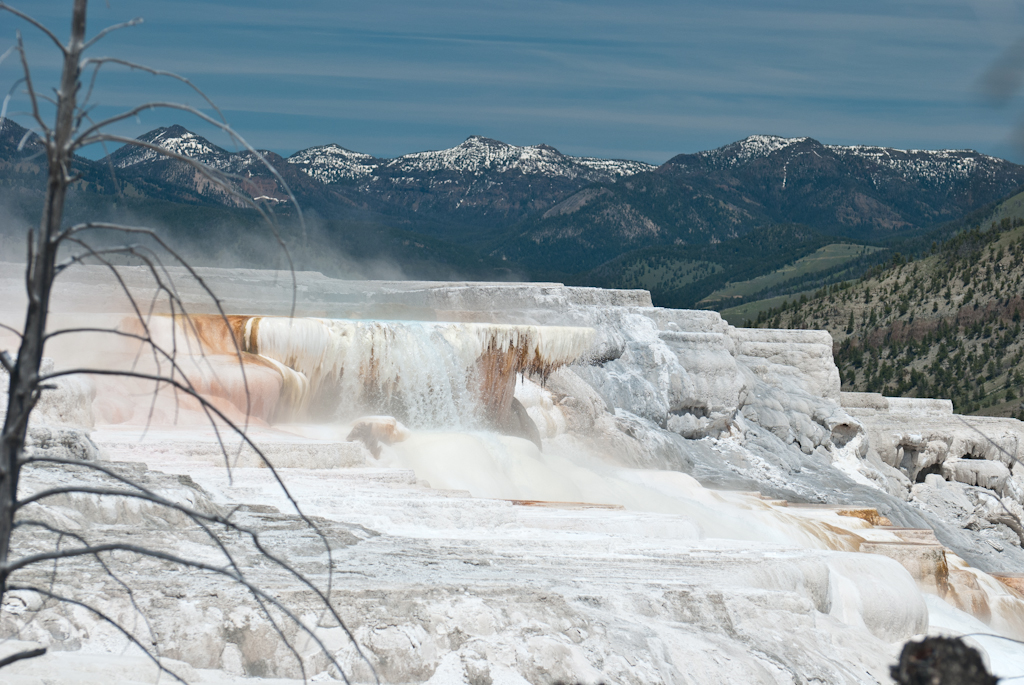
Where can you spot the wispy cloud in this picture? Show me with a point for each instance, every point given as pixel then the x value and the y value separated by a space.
pixel 651 79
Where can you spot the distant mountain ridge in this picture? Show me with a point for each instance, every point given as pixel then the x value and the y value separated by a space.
pixel 333 163
pixel 939 165
pixel 176 139
pixel 479 177
pixel 538 212
pixel 477 155
pixel 551 197
pixel 853 192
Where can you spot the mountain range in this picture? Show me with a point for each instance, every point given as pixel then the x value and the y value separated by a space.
pixel 487 204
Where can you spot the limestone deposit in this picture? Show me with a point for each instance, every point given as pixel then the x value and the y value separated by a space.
pixel 695 503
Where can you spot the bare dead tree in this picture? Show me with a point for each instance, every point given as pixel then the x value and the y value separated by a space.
pixel 53 248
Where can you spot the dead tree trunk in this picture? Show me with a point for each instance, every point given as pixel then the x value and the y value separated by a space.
pixel 61 140
pixel 24 371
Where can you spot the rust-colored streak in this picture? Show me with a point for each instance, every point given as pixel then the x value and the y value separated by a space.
pixel 208 349
pixel 563 505
pixel 1014 581
pixel 497 371
pixel 217 334
pixel 196 333
pixel 966 594
pixel 868 514
pixel 252 343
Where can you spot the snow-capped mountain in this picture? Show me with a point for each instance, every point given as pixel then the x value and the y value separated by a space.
pixel 485 207
pixel 333 163
pixel 939 166
pixel 484 185
pixel 861 192
pixel 181 141
pixel 750 148
pixel 176 139
pixel 480 155
pixel 479 176
pixel 179 181
pixel 476 156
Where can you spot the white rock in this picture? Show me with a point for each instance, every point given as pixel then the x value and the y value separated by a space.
pixel 454 583
pixel 980 472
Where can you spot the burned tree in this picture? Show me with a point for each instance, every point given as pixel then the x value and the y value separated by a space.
pixel 53 248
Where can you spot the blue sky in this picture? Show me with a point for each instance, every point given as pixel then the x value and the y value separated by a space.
pixel 640 80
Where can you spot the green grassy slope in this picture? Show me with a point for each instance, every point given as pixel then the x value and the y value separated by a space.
pixel 665 274
pixel 747 313
pixel 682 275
pixel 823 259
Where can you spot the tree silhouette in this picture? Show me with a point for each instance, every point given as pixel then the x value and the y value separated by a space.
pixel 54 247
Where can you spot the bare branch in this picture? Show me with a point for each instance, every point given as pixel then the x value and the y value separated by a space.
pixel 7 98
pixel 10 329
pixel 207 171
pixel 7 8
pixel 219 414
pixel 60 144
pixel 1013 524
pixel 47 99
pixel 213 409
pixel 142 494
pixel 180 561
pixel 7 53
pixel 197 516
pixel 999 637
pixel 123 25
pixel 161 287
pixel 24 139
pixel 110 331
pixel 28 654
pixel 989 440
pixel 99 560
pixel 153 235
pixel 1009 520
pixel 33 100
pixel 155 498
pixel 124 286
pixel 30 248
pixel 98 62
pixel 143 320
pixel 131 114
pixel 173 297
pixel 214 175
pixel 104 618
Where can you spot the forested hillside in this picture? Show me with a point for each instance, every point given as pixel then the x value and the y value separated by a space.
pixel 946 325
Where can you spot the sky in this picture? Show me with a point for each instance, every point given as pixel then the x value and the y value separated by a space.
pixel 642 80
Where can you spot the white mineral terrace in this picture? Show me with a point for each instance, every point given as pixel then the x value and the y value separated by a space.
pixel 519 483
pixel 439 374
pixel 325 347
pixel 430 365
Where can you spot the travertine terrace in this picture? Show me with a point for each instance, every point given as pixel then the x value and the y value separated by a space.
pixel 665 499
